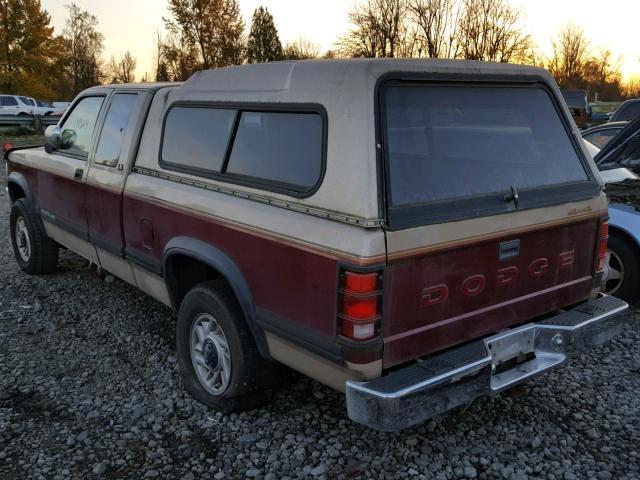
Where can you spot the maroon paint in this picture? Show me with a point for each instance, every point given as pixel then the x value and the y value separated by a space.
pixel 104 215
pixel 483 293
pixel 296 284
pixel 61 196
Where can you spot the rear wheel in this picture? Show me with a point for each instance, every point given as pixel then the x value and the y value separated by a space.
pixel 621 276
pixel 35 252
pixel 219 360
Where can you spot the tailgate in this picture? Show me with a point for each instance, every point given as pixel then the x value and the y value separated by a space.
pixel 451 292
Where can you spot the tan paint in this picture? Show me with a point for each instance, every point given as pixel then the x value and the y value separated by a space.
pixel 116 265
pixel 365 237
pixel 151 284
pixel 318 368
pixel 442 236
pixel 72 242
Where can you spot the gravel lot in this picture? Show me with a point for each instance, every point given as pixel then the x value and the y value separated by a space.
pixel 89 388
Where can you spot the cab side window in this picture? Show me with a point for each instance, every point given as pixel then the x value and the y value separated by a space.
pixel 114 129
pixel 78 127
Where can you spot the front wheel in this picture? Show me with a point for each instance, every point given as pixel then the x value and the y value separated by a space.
pixel 35 252
pixel 219 360
pixel 621 276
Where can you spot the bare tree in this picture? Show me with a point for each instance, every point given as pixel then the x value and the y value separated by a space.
pixel 571 53
pixel 632 87
pixel 122 70
pixel 301 49
pixel 491 30
pixel 376 29
pixel 436 22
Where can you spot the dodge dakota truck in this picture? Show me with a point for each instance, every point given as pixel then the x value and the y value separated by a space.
pixel 415 234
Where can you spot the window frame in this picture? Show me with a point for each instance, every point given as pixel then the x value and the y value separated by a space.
pixel 242 180
pixel 98 125
pixel 104 121
pixel 429 213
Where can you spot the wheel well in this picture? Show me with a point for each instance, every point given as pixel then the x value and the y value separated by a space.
pixel 625 236
pixel 184 272
pixel 15 191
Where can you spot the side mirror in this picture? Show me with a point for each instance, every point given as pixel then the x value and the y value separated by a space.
pixel 58 139
pixel 52 138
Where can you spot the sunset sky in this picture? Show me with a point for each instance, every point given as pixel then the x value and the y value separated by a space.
pixel 132 24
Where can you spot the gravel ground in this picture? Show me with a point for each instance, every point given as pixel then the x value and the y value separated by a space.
pixel 89 388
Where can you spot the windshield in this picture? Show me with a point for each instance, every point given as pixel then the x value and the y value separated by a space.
pixel 458 142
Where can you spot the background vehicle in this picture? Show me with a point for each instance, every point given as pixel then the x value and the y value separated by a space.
pixel 578 105
pixel 629 110
pixel 46 108
pixel 16 105
pixel 622 273
pixel 413 233
pixel 601 134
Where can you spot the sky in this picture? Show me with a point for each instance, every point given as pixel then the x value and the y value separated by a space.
pixel 132 24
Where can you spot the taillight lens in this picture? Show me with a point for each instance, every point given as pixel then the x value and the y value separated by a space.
pixel 360 304
pixel 602 246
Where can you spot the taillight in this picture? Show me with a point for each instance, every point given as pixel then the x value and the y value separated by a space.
pixel 602 246
pixel 360 304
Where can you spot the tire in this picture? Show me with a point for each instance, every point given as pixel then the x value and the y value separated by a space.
pixel 213 306
pixel 622 257
pixel 35 252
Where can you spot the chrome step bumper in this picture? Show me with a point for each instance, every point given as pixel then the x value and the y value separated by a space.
pixel 435 385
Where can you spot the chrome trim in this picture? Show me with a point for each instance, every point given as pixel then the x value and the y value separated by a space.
pixel 296 207
pixel 533 348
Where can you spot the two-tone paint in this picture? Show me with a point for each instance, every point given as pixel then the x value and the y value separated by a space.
pixel 283 255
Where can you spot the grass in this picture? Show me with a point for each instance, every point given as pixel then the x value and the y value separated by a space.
pixel 18 138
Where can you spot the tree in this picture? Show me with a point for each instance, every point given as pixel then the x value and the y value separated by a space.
pixel 376 30
pixel 28 48
pixel 632 87
pixel 490 30
pixel 436 22
pixel 301 49
pixel 570 56
pixel 84 49
pixel 202 34
pixel 264 43
pixel 123 70
pixel 603 76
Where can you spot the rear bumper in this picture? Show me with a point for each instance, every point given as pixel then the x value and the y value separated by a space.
pixel 435 385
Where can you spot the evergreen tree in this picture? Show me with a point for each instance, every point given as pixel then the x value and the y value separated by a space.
pixel 264 44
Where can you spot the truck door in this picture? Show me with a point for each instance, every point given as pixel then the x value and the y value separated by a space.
pixel 111 161
pixel 62 174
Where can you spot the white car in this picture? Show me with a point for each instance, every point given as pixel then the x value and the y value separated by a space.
pixel 17 105
pixel 46 108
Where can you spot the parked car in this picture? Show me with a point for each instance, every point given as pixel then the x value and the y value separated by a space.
pixel 15 105
pixel 46 108
pixel 629 110
pixel 61 106
pixel 409 232
pixel 578 105
pixel 622 264
pixel 601 134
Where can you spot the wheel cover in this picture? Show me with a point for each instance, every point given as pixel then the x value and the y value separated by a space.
pixel 613 274
pixel 23 242
pixel 210 354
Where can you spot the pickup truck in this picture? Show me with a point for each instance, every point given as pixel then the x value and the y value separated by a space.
pixel 415 234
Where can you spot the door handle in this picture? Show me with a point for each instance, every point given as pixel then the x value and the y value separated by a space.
pixel 77 175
